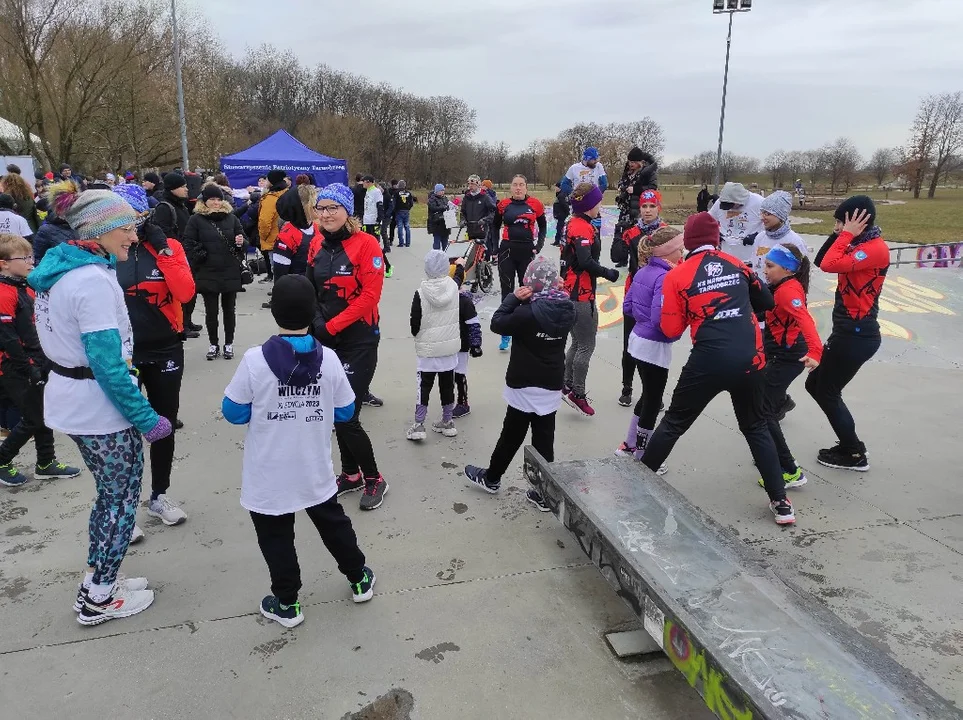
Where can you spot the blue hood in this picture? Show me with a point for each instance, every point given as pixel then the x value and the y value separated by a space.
pixel 60 260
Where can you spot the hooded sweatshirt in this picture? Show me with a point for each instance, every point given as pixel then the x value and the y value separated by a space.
pixel 435 323
pixel 289 391
pixel 82 322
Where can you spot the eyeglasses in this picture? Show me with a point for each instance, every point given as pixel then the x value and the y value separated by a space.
pixel 329 209
pixel 26 258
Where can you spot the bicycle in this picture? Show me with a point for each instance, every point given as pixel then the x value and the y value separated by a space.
pixel 479 272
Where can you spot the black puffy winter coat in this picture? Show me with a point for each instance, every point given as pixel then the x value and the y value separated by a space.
pixel 211 249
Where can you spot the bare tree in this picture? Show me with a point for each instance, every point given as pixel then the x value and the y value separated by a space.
pixel 775 165
pixel 948 135
pixel 841 159
pixel 814 166
pixel 919 150
pixel 881 164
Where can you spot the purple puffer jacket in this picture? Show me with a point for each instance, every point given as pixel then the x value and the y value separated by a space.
pixel 644 301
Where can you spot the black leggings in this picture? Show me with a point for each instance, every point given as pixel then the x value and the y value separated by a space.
pixel 162 381
pixel 780 373
pixel 461 385
pixel 514 430
pixel 446 386
pixel 275 537
pixel 629 362
pixel 513 261
pixel 28 399
pixel 228 306
pixel 843 356
pixel 699 383
pixel 357 454
pixel 654 380
pixel 266 254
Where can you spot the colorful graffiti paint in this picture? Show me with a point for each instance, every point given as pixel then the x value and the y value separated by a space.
pixel 944 256
pixel 714 687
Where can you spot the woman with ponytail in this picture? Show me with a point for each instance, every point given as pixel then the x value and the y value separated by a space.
pixel 791 342
pixel 649 347
pixel 92 394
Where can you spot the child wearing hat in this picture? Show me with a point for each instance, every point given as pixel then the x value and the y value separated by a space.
pixel 290 391
pixel 538 316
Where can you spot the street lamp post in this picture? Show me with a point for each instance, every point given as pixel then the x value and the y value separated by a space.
pixel 180 87
pixel 730 7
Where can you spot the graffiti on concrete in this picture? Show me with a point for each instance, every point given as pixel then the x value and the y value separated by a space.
pixel 944 256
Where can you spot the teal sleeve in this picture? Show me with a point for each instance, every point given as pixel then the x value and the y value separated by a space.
pixel 105 356
pixel 235 413
pixel 343 414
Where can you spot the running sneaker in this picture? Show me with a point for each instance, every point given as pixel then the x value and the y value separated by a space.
pixel 416 432
pixel 625 399
pixel 178 424
pixel 389 272
pixel 792 480
pixel 479 476
pixel 287 615
pixel 349 483
pixel 447 429
pixel 461 410
pixel 212 352
pixel 788 406
pixel 580 403
pixel 194 327
pixel 121 603
pixel 191 334
pixel 11 476
pixel 166 510
pixel 372 401
pixel 136 536
pixel 844 460
pixel 374 493
pixel 625 451
pixel 266 306
pixel 783 511
pixel 363 591
pixel 506 341
pixel 132 584
pixel 228 352
pixel 537 500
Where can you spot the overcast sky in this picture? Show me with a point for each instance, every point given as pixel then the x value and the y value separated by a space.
pixel 803 72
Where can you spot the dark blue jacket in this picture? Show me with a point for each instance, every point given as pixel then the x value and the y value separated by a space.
pixel 53 232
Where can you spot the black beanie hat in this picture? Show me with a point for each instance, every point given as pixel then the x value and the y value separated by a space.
pixel 152 177
pixel 293 302
pixel 212 192
pixel 853 205
pixel 173 180
pixel 6 201
pixel 276 177
pixel 635 155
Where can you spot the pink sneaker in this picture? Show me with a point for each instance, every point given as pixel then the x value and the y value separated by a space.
pixel 580 403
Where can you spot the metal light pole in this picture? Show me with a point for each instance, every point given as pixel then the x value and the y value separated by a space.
pixel 180 87
pixel 731 7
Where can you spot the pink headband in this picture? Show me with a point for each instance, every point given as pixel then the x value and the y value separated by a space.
pixel 667 248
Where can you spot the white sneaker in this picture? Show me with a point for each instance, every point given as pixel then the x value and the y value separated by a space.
pixel 167 511
pixel 663 469
pixel 416 432
pixel 447 429
pixel 137 536
pixel 122 603
pixel 133 584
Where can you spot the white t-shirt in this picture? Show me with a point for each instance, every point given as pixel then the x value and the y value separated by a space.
pixel 14 224
pixel 533 399
pixel 734 229
pixel 764 244
pixel 372 197
pixel 582 173
pixel 650 351
pixel 87 299
pixel 287 449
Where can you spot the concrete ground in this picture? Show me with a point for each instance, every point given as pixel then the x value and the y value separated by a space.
pixel 486 608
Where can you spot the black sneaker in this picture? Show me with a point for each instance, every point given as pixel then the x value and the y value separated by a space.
pixel 266 306
pixel 287 615
pixel 537 500
pixel 374 493
pixel 192 334
pixel 626 398
pixel 788 406
pixel 349 483
pixel 373 401
pixel 844 460
pixel 178 424
pixel 55 470
pixel 194 327
pixel 363 591
pixel 213 352
pixel 479 477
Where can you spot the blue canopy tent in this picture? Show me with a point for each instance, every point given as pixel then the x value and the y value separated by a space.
pixel 282 151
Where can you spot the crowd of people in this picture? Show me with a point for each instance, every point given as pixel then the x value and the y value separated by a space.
pixel 96 301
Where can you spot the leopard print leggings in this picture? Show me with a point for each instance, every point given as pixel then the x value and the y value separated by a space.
pixel 117 463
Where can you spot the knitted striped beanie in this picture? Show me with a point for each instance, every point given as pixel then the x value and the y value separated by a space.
pixel 91 213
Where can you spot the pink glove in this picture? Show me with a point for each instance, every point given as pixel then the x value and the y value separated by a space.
pixel 160 431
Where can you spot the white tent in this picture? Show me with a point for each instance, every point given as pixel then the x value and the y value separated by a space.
pixel 13 136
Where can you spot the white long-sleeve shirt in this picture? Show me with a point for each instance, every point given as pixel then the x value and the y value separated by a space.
pixel 746 221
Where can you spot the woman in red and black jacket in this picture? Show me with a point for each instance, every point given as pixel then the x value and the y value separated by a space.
pixel 860 256
pixel 156 279
pixel 792 343
pixel 580 270
pixel 716 296
pixel 346 267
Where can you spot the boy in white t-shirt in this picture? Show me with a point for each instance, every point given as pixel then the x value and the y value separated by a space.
pixel 289 391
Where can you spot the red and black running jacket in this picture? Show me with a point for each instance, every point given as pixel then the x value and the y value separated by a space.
pixel 580 266
pixel 862 270
pixel 291 248
pixel 347 271
pixel 632 237
pixel 790 329
pixel 716 296
pixel 19 343
pixel 521 221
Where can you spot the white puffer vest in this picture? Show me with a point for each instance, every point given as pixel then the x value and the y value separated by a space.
pixel 440 335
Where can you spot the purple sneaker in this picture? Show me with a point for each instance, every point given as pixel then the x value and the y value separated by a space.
pixel 461 411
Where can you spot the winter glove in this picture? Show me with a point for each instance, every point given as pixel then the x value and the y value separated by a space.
pixel 321 334
pixel 160 431
pixel 156 238
pixel 475 352
pixel 748 240
pixel 611 274
pixel 38 378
